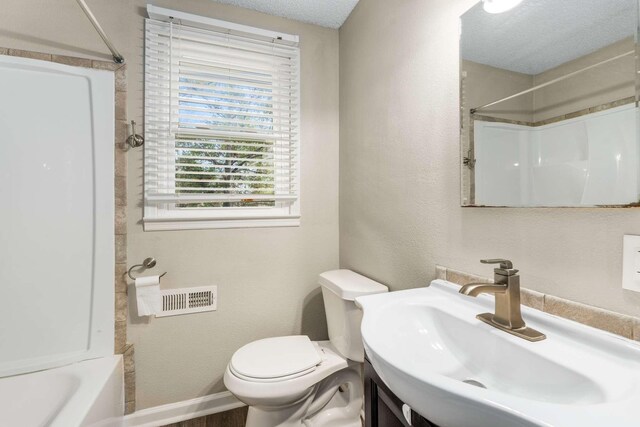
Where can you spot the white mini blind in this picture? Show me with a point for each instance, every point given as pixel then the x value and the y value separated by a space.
pixel 221 118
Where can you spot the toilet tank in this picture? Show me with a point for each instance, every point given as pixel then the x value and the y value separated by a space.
pixel 339 290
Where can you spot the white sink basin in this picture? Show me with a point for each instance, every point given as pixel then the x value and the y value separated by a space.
pixel 425 343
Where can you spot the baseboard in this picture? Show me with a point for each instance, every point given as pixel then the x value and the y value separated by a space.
pixel 182 411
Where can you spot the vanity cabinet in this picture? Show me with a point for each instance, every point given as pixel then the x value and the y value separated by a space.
pixel 383 408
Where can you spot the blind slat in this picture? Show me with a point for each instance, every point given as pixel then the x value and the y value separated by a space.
pixel 192 73
pixel 161 47
pixel 224 104
pixel 204 198
pixel 221 140
pixel 214 131
pixel 239 77
pixel 261 159
pixel 224 121
pixel 230 59
pixel 190 151
pixel 213 90
pixel 257 133
pixel 218 133
pixel 236 167
pixel 229 176
pixel 159 78
pixel 226 111
pixel 160 31
pixel 264 156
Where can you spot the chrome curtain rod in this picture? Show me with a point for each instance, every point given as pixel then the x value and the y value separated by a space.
pixel 550 82
pixel 117 58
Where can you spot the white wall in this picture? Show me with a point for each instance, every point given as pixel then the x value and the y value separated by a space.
pixel 400 174
pixel 266 277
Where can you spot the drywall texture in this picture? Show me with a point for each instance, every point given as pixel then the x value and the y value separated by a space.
pixel 400 175
pixel 266 277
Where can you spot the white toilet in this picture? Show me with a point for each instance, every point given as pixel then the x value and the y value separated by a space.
pixel 293 381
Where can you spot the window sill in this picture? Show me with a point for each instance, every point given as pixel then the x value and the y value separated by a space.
pixel 167 224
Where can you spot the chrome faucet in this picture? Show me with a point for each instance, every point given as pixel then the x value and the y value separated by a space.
pixel 506 288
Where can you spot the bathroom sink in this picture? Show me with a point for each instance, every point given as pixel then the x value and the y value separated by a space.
pixel 429 348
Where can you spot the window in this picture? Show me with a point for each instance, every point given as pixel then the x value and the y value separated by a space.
pixel 221 127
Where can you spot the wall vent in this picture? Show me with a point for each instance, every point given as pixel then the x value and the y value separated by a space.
pixel 188 300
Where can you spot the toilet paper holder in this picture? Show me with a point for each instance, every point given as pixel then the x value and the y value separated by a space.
pixel 147 263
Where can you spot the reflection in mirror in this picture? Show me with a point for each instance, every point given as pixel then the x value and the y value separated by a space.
pixel 548 94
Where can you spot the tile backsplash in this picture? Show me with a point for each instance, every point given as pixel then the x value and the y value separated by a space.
pixel 619 324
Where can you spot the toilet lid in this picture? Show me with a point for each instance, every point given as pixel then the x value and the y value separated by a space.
pixel 276 357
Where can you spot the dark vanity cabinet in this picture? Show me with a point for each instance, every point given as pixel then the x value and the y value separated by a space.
pixel 383 408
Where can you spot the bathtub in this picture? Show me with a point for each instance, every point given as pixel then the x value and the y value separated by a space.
pixel 88 393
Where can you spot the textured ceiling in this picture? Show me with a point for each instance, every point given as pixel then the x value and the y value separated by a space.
pixel 541 34
pixel 326 13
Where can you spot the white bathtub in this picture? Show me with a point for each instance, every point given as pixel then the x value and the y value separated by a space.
pixel 57 366
pixel 88 393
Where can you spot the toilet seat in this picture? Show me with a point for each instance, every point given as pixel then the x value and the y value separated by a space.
pixel 285 390
pixel 276 359
pixel 271 380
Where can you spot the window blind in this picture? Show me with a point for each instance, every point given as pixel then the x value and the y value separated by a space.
pixel 221 118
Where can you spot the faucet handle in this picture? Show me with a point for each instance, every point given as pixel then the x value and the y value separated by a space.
pixel 504 263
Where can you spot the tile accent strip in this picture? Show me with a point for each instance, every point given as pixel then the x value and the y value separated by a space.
pixel 583 112
pixel 619 324
pixel 120 225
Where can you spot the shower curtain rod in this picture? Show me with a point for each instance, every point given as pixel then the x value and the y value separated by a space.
pixel 550 82
pixel 117 58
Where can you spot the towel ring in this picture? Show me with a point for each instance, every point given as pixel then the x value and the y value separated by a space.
pixel 147 263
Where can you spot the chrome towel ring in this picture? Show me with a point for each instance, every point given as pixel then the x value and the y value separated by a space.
pixel 147 263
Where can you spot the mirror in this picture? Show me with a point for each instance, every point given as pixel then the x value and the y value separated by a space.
pixel 549 105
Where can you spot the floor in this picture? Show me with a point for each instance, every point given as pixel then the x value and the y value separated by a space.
pixel 234 418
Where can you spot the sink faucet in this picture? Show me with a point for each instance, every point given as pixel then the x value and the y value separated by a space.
pixel 506 288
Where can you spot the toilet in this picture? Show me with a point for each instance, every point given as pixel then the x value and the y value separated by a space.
pixel 293 381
